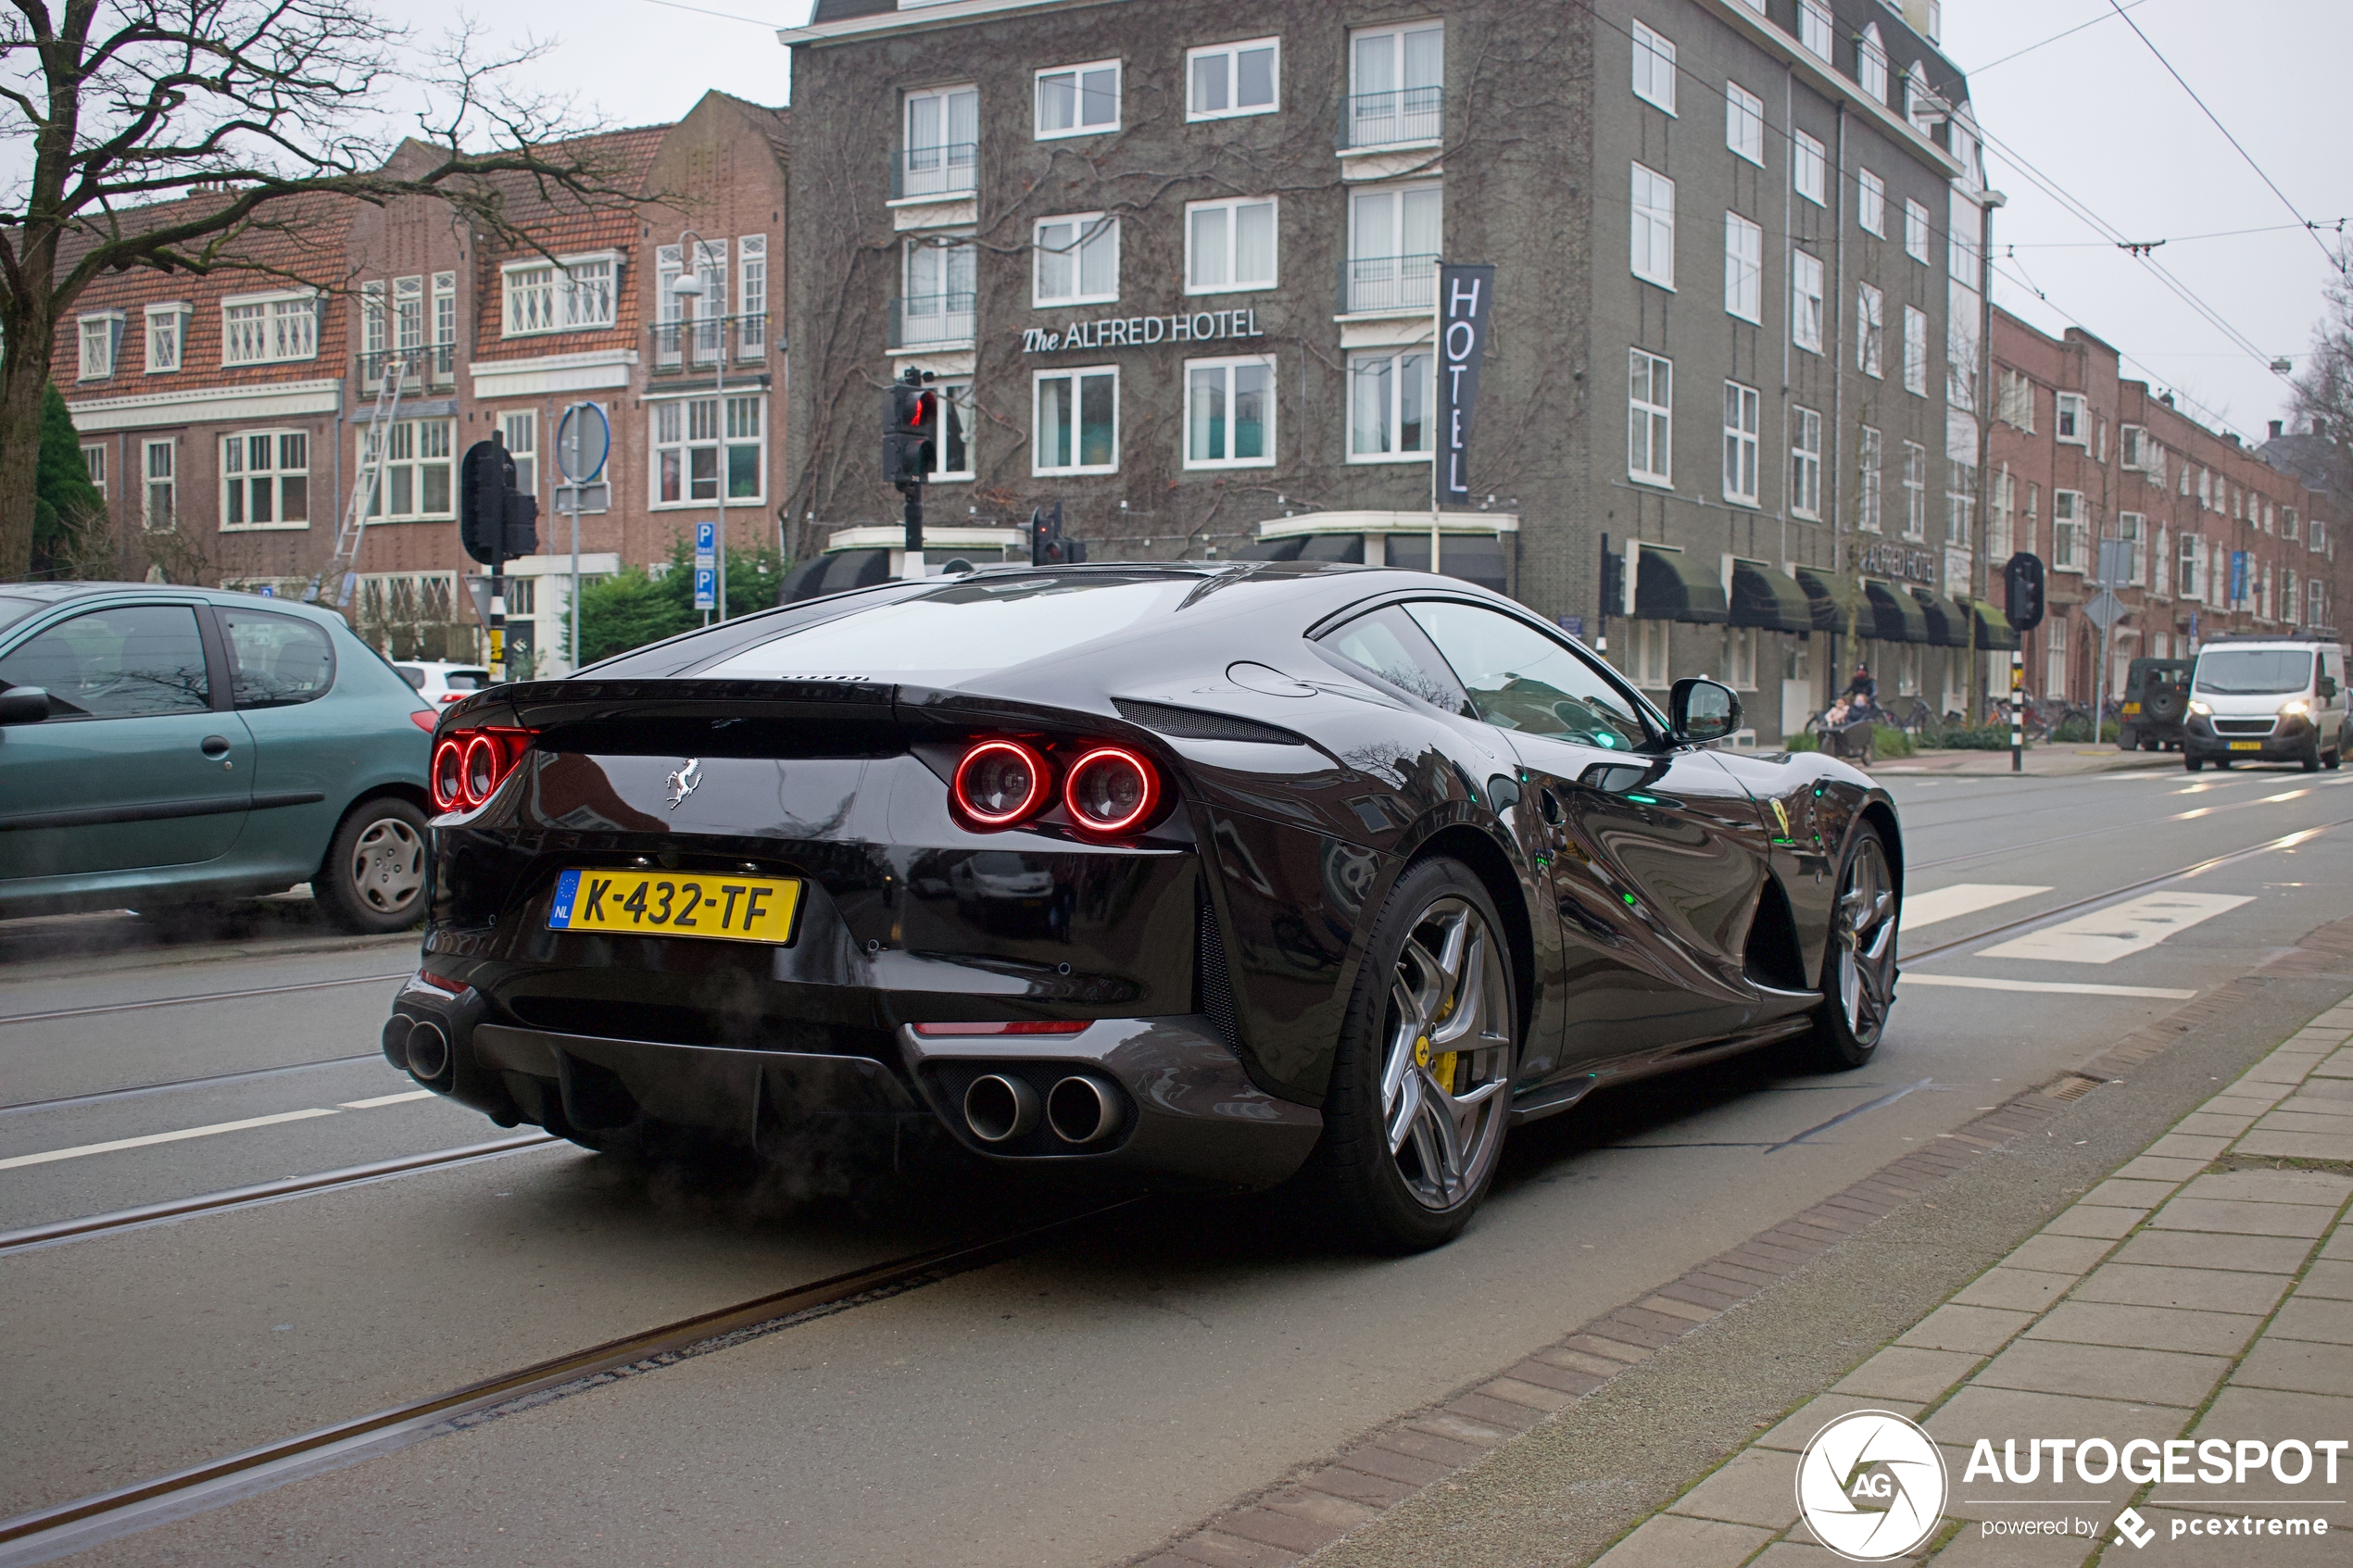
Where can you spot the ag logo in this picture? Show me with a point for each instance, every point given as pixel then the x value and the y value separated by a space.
pixel 1871 1486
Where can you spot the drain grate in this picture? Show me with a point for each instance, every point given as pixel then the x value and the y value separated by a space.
pixel 2069 1085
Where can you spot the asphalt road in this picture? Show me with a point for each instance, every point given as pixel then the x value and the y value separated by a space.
pixel 1073 1406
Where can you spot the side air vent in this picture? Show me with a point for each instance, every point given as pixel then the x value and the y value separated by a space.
pixel 1213 987
pixel 1772 956
pixel 1189 724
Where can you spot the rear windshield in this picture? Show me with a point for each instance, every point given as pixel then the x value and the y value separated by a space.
pixel 2253 671
pixel 956 633
pixel 466 680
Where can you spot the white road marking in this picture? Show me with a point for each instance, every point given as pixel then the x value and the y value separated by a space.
pixel 387 1099
pixel 44 1157
pixel 1961 898
pixel 2106 936
pixel 1973 982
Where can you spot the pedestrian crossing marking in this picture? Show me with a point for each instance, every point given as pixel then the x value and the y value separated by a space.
pixel 2106 936
pixel 1961 898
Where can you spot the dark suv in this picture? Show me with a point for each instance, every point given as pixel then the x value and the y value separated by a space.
pixel 2157 699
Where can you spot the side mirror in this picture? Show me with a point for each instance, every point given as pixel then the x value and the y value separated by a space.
pixel 23 705
pixel 2328 688
pixel 1703 709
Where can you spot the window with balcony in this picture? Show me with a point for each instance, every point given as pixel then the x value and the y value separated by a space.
pixel 1742 413
pixel 418 464
pixel 696 326
pixel 1389 401
pixel 269 330
pixel 1870 204
pixel 1393 238
pixel 1805 463
pixel 1653 227
pixel 1653 68
pixel 752 292
pixel 1744 123
pixel 1805 301
pixel 1077 420
pixel 265 479
pixel 1229 413
pixel 1743 267
pixel 937 304
pixel 1078 100
pixel 166 336
pixel 695 439
pixel 1230 246
pixel 941 154
pixel 1226 81
pixel 1077 260
pixel 1396 85
pixel 1650 418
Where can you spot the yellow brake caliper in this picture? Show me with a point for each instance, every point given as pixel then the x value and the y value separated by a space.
pixel 1440 1066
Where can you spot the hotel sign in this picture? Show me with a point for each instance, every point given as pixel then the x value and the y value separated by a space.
pixel 1144 331
pixel 1888 558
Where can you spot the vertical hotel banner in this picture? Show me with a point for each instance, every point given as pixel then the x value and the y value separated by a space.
pixel 1465 298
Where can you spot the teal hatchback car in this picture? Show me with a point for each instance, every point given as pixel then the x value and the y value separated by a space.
pixel 165 747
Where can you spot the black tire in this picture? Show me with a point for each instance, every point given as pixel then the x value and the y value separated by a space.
pixel 2129 739
pixel 1859 961
pixel 2311 761
pixel 2335 758
pixel 1357 1173
pixel 373 878
pixel 2194 764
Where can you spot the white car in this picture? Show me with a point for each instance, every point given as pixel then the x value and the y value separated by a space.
pixel 439 684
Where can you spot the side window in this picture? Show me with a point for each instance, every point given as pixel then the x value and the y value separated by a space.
pixel 1388 643
pixel 116 664
pixel 1519 679
pixel 276 660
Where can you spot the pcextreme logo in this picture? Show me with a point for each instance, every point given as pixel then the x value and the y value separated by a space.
pixel 1871 1486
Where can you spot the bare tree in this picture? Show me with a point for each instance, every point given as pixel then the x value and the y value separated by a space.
pixel 2324 390
pixel 128 107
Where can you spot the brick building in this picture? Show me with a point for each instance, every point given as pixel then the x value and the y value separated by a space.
pixel 227 419
pixel 2219 538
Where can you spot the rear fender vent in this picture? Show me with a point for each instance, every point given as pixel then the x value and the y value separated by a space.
pixel 2069 1085
pixel 1213 987
pixel 1190 723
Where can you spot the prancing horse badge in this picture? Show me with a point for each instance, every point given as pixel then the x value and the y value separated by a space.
pixel 681 783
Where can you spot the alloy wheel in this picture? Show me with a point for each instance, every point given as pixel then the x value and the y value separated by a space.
pixel 1448 1056
pixel 388 865
pixel 1863 931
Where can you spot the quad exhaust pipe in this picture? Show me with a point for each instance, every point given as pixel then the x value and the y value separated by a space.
pixel 1083 1109
pixel 1080 1109
pixel 999 1107
pixel 428 1052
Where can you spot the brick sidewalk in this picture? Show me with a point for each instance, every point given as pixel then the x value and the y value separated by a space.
pixel 2201 1290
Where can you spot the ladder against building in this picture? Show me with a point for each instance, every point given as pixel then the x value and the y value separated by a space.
pixel 339 583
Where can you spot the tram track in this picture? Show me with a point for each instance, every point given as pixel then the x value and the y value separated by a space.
pixel 71 1527
pixel 194 998
pixel 105 1097
pixel 2074 837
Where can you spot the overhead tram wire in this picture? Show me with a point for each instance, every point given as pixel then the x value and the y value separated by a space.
pixel 1979 70
pixel 2310 226
pixel 2335 223
pixel 2220 421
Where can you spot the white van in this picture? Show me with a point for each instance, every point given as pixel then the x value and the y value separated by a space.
pixel 2267 700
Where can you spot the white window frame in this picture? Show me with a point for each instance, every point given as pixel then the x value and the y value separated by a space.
pixel 1654 66
pixel 1916 231
pixel 571 293
pixel 409 443
pixel 409 313
pixel 445 318
pixel 2073 426
pixel 1078 73
pixel 1089 230
pixel 947 176
pixel 1652 232
pixel 1805 463
pixel 1870 64
pixel 1404 112
pixel 955 252
pixel 1744 123
pixel 1402 375
pixel 166 324
pixel 1915 482
pixel 1743 461
pixel 1654 651
pixel 94 463
pixel 1960 502
pixel 1075 375
pixel 1744 269
pixel 713 422
pixel 1805 323
pixel 100 339
pixel 1915 351
pixel 1739 657
pixel 751 296
pixel 1814 28
pixel 158 476
pixel 956 391
pixel 236 471
pixel 1809 163
pixel 2287 523
pixel 1232 54
pixel 2017 409
pixel 2134 528
pixel 288 328
pixel 1870 331
pixel 1871 456
pixel 1227 368
pixel 1232 208
pixel 2068 517
pixel 519 430
pixel 1870 204
pixel 1655 416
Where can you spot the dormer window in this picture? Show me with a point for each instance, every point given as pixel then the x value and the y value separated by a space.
pixel 1870 64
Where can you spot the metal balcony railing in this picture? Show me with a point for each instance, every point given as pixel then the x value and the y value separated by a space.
pixel 678 344
pixel 1383 120
pixel 435 365
pixel 925 320
pixel 947 171
pixel 1387 282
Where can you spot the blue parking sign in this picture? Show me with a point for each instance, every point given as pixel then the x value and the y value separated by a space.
pixel 705 538
pixel 705 587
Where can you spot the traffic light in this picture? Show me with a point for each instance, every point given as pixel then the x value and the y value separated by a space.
pixel 911 428
pixel 1047 545
pixel 1612 582
pixel 495 523
pixel 2023 578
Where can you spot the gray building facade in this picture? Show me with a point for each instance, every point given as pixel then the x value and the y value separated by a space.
pixel 1173 265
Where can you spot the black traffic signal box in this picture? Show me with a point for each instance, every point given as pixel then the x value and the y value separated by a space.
pixel 909 431
pixel 1047 545
pixel 2023 580
pixel 495 522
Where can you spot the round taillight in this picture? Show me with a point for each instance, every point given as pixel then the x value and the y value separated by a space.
pixel 449 775
pixel 481 769
pixel 1110 790
pixel 999 782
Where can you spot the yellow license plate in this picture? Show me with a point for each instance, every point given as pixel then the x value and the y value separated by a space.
pixel 728 908
pixel 2247 745
pixel 2132 707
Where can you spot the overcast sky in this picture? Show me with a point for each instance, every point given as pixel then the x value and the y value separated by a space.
pixel 2094 112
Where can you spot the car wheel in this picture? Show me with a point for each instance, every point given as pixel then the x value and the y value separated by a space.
pixel 1859 970
pixel 2311 761
pixel 2335 759
pixel 1421 1081
pixel 2128 739
pixel 374 878
pixel 2194 764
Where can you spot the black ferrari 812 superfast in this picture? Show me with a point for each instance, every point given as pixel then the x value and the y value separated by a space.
pixel 1224 873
